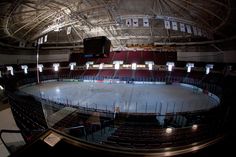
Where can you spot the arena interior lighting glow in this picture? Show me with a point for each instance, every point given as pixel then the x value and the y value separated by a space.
pixel 194 127
pixel 195 148
pixel 150 64
pixel 40 67
pixel 117 64
pixel 1 88
pixel 208 67
pixel 170 65
pixel 58 90
pixel 88 64
pixel 25 68
pixel 56 66
pixel 169 130
pixel 189 66
pixel 134 66
pixel 10 68
pixel 101 66
pixel 72 65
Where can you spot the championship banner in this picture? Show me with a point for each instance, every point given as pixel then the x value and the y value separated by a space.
pixel 128 22
pixel 182 27
pixel 195 30
pixel 174 26
pixel 167 24
pixel 68 31
pixel 135 22
pixel 145 22
pixel 199 32
pixel 188 27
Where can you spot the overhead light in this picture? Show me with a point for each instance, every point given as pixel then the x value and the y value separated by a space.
pixel 170 65
pixel 195 126
pixel 150 64
pixel 101 66
pixel 169 130
pixel 208 67
pixel 133 66
pixel 40 67
pixel 117 64
pixel 89 63
pixel 10 69
pixel 56 66
pixel 189 66
pixel 72 65
pixel 25 68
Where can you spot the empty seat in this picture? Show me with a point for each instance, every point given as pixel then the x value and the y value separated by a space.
pixel 134 57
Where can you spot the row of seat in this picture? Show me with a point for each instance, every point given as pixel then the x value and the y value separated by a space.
pixel 129 57
pixel 112 73
pixel 141 133
pixel 29 116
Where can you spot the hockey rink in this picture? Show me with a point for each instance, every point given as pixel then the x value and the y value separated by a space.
pixel 133 98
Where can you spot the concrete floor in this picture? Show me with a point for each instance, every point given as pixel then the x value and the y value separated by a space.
pixel 7 122
pixel 130 98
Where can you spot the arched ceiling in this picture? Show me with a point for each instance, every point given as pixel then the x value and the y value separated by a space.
pixel 28 20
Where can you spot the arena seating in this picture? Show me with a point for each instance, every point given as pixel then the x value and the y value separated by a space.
pixel 144 132
pixel 76 73
pixel 28 114
pixel 134 57
pixel 143 74
pixel 63 73
pixel 91 72
pixel 159 74
pixel 107 73
pixel 196 74
pixel 213 78
pixel 106 60
pixel 124 73
pixel 121 56
pixel 148 56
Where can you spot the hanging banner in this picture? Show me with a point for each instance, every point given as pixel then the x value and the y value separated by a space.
pixel 188 27
pixel 167 24
pixel 174 26
pixel 204 33
pixel 145 22
pixel 199 32
pixel 135 22
pixel 195 30
pixel 182 27
pixel 128 22
pixel 68 31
